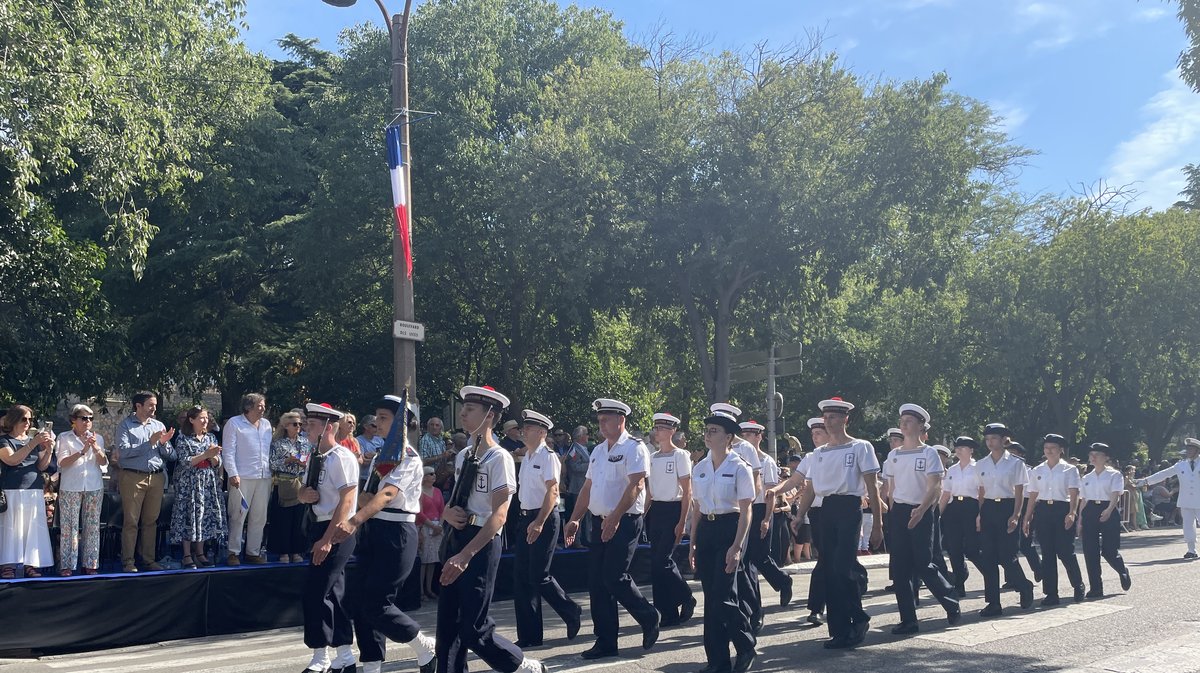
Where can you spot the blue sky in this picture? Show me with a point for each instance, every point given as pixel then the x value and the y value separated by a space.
pixel 1089 84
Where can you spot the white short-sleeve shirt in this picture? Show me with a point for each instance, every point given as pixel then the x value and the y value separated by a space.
pixel 610 469
pixel 497 472
pixel 803 468
pixel 749 455
pixel 839 470
pixel 907 472
pixel 770 476
pixel 85 474
pixel 1000 479
pixel 339 469
pixel 961 482
pixel 540 466
pixel 719 490
pixel 406 476
pixel 1053 483
pixel 1101 486
pixel 666 469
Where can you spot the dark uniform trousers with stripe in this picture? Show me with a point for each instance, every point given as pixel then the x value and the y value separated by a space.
pixel 463 622
pixel 532 581
pixel 610 583
pixel 671 591
pixel 385 554
pixel 998 548
pixel 725 621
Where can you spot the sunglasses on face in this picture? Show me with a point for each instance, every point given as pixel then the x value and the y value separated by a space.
pixel 295 424
pixel 87 419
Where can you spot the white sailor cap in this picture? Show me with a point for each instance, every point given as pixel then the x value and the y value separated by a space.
pixel 485 395
pixel 322 410
pixel 895 432
pixel 1191 442
pixel 917 412
pixel 724 407
pixel 752 425
pixel 530 416
pixel 835 404
pixel 663 418
pixel 605 405
pixel 996 429
pixel 816 423
pixel 942 449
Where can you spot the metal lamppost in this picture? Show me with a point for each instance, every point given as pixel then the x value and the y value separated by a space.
pixel 404 353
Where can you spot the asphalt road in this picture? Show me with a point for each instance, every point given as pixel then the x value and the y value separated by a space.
pixel 1155 628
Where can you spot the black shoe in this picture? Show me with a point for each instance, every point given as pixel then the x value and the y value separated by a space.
pixel 326 669
pixel 890 588
pixel 574 624
pixel 1079 593
pixel 650 635
pixel 991 610
pixel 860 632
pixel 815 618
pixel 743 661
pixel 953 614
pixel 1027 597
pixel 1096 592
pixel 352 668
pixel 839 643
pixel 431 666
pixel 527 643
pixel 597 652
pixel 756 626
pixel 1190 555
pixel 1126 581
pixel 717 668
pixel 687 609
pixel 905 628
pixel 1050 601
pixel 785 594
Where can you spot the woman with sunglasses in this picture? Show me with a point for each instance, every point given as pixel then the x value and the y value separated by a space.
pixel 24 535
pixel 289 451
pixel 81 466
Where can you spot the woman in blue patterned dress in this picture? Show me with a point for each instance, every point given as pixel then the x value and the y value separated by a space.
pixel 199 513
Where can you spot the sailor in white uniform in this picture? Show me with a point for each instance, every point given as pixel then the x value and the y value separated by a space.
pixel 1188 473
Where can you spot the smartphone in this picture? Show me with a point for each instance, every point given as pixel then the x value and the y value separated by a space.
pixel 46 426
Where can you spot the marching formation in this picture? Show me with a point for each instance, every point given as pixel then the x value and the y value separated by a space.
pixel 983 511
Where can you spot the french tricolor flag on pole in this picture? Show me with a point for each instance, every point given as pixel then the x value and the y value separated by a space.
pixel 395 154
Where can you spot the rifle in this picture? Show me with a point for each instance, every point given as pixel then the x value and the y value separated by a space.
pixel 463 483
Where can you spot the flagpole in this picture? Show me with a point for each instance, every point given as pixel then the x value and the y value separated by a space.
pixel 404 351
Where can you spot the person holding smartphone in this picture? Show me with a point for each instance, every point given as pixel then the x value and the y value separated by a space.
pixel 81 465
pixel 24 535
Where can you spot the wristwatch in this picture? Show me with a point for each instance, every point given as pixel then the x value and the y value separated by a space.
pixel 476 520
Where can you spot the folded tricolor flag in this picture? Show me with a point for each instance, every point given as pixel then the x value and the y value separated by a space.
pixel 395 154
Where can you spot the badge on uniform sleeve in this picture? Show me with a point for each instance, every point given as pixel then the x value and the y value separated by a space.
pixel 849 460
pixel 920 465
pixel 481 483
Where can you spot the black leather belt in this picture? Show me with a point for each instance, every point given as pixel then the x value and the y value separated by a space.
pixel 130 469
pixel 720 517
pixel 960 498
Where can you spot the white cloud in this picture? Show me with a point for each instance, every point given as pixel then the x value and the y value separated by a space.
pixel 1058 25
pixel 1011 117
pixel 1150 14
pixel 1151 161
pixel 847 44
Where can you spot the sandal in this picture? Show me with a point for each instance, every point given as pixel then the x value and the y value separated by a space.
pixel 8 573
pixel 30 571
pixel 188 562
pixel 66 572
pixel 204 561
